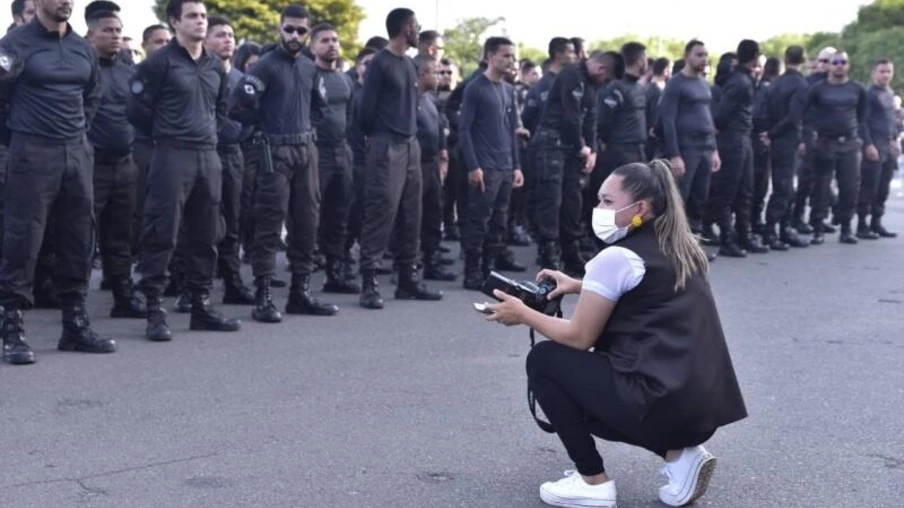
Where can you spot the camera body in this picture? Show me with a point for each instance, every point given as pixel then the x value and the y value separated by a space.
pixel 534 294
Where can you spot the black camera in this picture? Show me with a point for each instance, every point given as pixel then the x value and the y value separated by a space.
pixel 534 294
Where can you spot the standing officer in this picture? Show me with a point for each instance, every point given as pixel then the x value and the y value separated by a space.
pixel 335 156
pixel 880 157
pixel 358 143
pixel 220 43
pixel 392 186
pixel 564 153
pixel 179 99
pixel 431 136
pixel 785 106
pixel 732 187
pixel 489 118
pixel 835 112
pixel 115 173
pixel 561 53
pixel 282 95
pixel 50 168
pixel 766 72
pixel 661 74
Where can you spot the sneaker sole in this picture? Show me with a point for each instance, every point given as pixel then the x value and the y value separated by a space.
pixel 703 473
pixel 554 500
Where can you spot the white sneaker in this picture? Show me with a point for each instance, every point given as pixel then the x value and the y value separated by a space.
pixel 573 492
pixel 688 477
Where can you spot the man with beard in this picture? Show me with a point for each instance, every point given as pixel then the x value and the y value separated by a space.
pixel 51 168
pixel 282 96
pixel 392 189
pixel 179 98
pixel 220 43
pixel 335 157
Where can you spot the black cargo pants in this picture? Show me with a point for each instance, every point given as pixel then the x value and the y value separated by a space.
pixel 142 153
pixel 230 208
pixel 292 190
pixel 115 189
pixel 484 221
pixel 784 157
pixel 452 187
pixel 183 189
pixel 731 188
pixel 336 193
pixel 432 208
pixel 762 169
pixel 392 192
pixel 694 183
pixel 835 158
pixel 47 177
pixel 875 182
pixel 558 190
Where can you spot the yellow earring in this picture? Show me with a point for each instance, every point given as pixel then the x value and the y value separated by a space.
pixel 636 221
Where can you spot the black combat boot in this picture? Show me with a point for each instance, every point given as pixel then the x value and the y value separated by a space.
pixel 864 232
pixel 264 310
pixel 235 292
pixel 182 304
pixel 126 301
pixel 789 236
pixel 434 269
pixel 750 242
pixel 728 246
pixel 370 294
pixel 847 234
pixel 772 240
pixel 15 350
pixel 78 335
pixel 157 329
pixel 337 281
pixel 410 288
pixel 876 225
pixel 708 235
pixel 474 276
pixel 505 262
pixel 205 318
pixel 549 256
pixel 301 301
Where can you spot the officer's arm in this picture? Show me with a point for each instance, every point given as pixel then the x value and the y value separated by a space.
pixel 469 106
pixel 792 114
pixel 865 108
pixel 530 115
pixel 611 99
pixel 319 103
pixel 92 93
pixel 571 91
pixel 245 103
pixel 516 122
pixel 370 94
pixel 349 109
pixel 728 102
pixel 452 109
pixel 222 105
pixel 145 86
pixel 443 139
pixel 591 117
pixel 808 113
pixel 10 67
pixel 668 116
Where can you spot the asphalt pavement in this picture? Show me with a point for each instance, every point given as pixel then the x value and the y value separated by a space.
pixel 423 404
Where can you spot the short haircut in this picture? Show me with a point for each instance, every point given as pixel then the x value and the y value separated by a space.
pixel 528 65
pixel 578 43
pixel 445 61
pixel 422 62
pixel 748 51
pixel 97 6
pixel 678 66
pixel 691 44
pixel 377 42
pixel 492 44
pixel 149 31
pixel 881 61
pixel 795 55
pixel 244 53
pixel 611 59
pixel 632 52
pixel 427 37
pixel 557 45
pixel 17 7
pixel 98 16
pixel 396 21
pixel 215 21
pixel 367 51
pixel 320 28
pixel 660 65
pixel 772 66
pixel 293 11
pixel 174 8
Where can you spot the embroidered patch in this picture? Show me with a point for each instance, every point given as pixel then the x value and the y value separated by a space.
pixel 137 87
pixel 6 63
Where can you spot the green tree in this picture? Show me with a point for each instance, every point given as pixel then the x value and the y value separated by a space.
pixel 258 20
pixel 464 41
pixel 656 46
pixel 534 54
pixel 776 45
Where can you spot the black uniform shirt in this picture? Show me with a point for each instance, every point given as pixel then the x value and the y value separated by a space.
pixel 111 131
pixel 836 110
pixel 430 128
pixel 571 109
pixel 52 87
pixel 452 106
pixel 232 132
pixel 177 97
pixel 785 104
pixel 734 111
pixel 338 89
pixel 356 138
pixel 653 94
pixel 623 112
pixel 281 93
pixel 535 102
pixel 880 114
pixel 685 115
pixel 389 98
pixel 489 117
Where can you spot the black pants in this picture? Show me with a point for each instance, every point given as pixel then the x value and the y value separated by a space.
pixel 293 189
pixel 558 190
pixel 875 182
pixel 47 177
pixel 230 208
pixel 694 184
pixel 251 159
pixel 336 190
pixel 762 168
pixel 784 157
pixel 835 158
pixel 577 391
pixel 356 207
pixel 731 188
pixel 518 203
pixel 183 189
pixel 612 158
pixel 432 208
pixel 806 178
pixel 115 187
pixel 392 191
pixel 452 187
pixel 484 222
pixel 142 153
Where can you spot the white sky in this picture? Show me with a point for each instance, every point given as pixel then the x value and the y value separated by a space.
pixel 668 18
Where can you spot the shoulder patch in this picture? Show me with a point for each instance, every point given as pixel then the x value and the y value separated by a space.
pixel 255 82
pixel 6 62
pixel 544 96
pixel 578 93
pixel 137 87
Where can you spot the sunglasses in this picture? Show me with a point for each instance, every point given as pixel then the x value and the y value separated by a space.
pixel 445 73
pixel 291 29
pixel 823 60
pixel 839 62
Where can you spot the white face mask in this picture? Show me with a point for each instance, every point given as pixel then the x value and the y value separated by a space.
pixel 604 226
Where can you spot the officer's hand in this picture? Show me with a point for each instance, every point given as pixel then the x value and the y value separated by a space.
pixel 717 161
pixel 584 153
pixel 764 138
pixel 872 153
pixel 518 179
pixel 589 163
pixel 565 285
pixel 443 170
pixel 802 150
pixel 653 132
pixel 524 133
pixel 475 179
pixel 677 166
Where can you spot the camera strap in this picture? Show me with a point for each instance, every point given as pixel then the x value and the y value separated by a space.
pixel 531 398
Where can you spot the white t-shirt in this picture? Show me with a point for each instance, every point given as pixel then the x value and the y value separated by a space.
pixel 613 272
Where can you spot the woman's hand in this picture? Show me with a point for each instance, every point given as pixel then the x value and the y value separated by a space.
pixel 510 311
pixel 565 285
